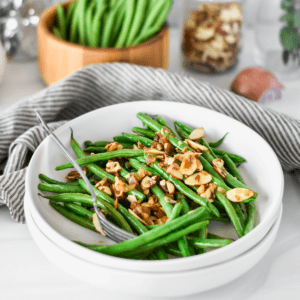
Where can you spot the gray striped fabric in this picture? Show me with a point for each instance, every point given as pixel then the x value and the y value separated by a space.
pixel 101 85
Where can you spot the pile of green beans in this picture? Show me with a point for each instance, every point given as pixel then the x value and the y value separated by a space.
pixel 185 233
pixel 110 23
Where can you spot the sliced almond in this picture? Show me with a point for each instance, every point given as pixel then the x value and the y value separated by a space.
pixel 131 198
pixel 169 149
pixel 198 178
pixel 189 163
pixel 153 151
pixel 97 224
pixel 199 165
pixel 201 190
pixel 196 146
pixel 147 183
pixel 137 217
pixel 142 173
pixel 132 179
pixel 165 130
pixel 220 171
pixel 111 147
pixel 221 190
pixel 120 186
pixel 197 134
pixel 113 166
pixel 105 189
pixel 230 39
pixel 218 162
pixel 204 34
pixel 239 194
pixel 170 200
pixel 170 187
pixel 174 171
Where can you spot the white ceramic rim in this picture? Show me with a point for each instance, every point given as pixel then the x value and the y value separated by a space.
pixel 248 256
pixel 153 266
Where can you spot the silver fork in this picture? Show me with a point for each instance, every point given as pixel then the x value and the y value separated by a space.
pixel 113 232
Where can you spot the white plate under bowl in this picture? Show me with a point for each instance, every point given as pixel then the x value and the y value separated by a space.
pixel 262 172
pixel 151 284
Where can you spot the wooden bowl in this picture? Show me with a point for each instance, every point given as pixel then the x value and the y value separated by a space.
pixel 58 58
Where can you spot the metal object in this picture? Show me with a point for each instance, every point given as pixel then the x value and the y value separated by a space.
pixel 113 232
pixel 18 23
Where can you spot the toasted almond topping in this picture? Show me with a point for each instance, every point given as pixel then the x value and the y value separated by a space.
pixel 132 179
pixel 239 194
pixel 102 182
pixel 221 190
pixel 97 224
pixel 220 171
pixel 111 147
pixel 199 165
pixel 218 162
pixel 120 147
pixel 204 34
pixel 136 216
pixel 196 146
pixel 147 183
pixel 135 147
pixel 141 146
pixel 152 151
pixel 179 157
pixel 120 186
pixel 189 163
pixel 165 130
pixel 197 134
pixel 75 175
pixel 131 198
pixel 199 178
pixel 150 159
pixel 170 187
pixel 157 136
pixel 146 192
pixel 142 173
pixel 185 149
pixel 174 171
pixel 170 200
pixel 113 166
pixel 201 189
pixel 169 160
pixel 162 220
pixel 105 189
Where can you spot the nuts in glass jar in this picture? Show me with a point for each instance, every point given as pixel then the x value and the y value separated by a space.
pixel 211 36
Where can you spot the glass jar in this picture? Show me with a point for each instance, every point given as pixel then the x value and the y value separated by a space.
pixel 211 34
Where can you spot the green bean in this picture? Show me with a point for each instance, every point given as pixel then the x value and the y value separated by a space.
pixel 88 201
pixel 109 24
pixel 79 210
pixel 185 190
pixel 166 239
pixel 100 172
pixel 185 206
pixel 61 19
pixel 218 143
pixel 174 250
pixel 250 224
pixel 155 238
pixel 211 152
pixel 209 243
pixel 89 144
pixel 231 213
pixel 132 221
pixel 88 23
pixel 101 157
pixel 202 234
pixel 52 181
pixel 168 208
pixel 232 168
pixel 57 32
pixel 162 122
pixel 154 21
pixel 73 217
pixel 214 236
pixel 184 246
pixel 97 22
pixel 93 149
pixel 181 133
pixel 146 132
pixel 175 212
pixel 121 139
pixel 136 164
pixel 60 188
pixel 129 15
pixel 137 138
pixel 161 254
pixel 138 18
pixel 82 4
pixel 235 158
pixel 101 143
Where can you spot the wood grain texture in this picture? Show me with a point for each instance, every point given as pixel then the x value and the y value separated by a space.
pixel 58 58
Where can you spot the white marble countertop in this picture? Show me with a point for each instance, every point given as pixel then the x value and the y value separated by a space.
pixel 27 274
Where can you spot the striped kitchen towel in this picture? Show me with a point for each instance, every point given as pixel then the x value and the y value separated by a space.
pixel 101 85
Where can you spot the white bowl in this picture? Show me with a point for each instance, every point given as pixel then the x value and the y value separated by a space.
pixel 262 172
pixel 152 284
